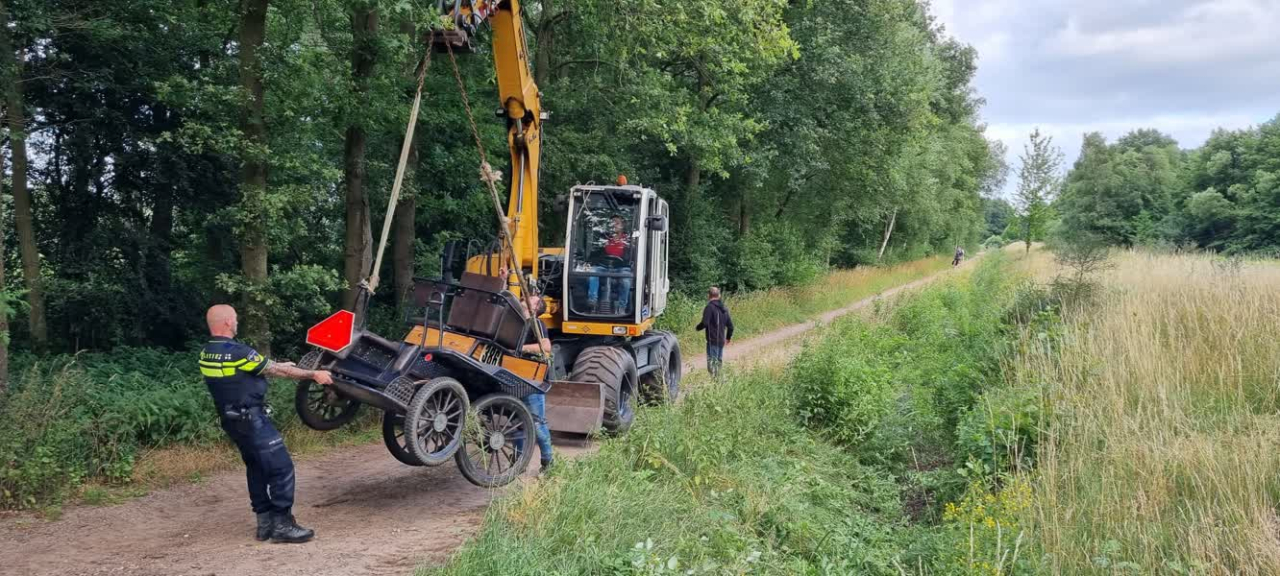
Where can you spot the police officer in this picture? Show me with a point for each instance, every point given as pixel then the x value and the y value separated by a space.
pixel 237 378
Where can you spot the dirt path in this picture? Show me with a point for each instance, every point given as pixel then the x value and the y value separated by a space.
pixel 372 515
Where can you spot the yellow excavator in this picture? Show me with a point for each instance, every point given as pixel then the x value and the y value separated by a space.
pixel 604 287
pixel 452 387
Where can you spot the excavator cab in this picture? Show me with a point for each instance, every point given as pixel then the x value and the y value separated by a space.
pixel 616 256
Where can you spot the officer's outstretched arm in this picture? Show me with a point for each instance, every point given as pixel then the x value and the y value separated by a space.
pixel 288 370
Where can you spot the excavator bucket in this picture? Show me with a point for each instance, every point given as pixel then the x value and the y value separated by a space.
pixel 576 407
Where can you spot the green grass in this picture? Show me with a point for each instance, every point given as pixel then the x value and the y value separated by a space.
pixel 762 311
pixel 839 463
pixel 724 483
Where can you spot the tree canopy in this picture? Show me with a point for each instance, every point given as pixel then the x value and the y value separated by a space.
pixel 185 152
pixel 1144 189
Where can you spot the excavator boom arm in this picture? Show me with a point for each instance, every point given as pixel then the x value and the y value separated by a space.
pixel 521 107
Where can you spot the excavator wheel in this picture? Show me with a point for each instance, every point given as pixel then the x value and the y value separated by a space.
pixel 615 370
pixel 662 386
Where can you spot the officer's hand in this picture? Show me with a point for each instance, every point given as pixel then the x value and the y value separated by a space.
pixel 322 377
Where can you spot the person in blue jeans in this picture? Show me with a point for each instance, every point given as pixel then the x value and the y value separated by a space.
pixel 538 343
pixel 719 327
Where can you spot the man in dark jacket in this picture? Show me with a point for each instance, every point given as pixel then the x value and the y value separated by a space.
pixel 719 326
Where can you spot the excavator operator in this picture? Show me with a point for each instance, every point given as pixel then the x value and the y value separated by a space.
pixel 614 257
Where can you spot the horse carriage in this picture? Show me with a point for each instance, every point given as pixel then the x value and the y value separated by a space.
pixel 452 388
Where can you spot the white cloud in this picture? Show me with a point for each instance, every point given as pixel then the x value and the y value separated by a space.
pixel 1204 32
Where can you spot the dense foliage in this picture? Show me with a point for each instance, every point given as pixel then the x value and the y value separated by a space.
pixel 1143 190
pixel 789 136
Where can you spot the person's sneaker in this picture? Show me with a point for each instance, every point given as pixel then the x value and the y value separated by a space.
pixel 592 305
pixel 265 524
pixel 288 531
pixel 546 467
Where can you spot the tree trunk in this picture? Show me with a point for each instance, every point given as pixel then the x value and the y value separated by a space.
pixel 1027 229
pixel 358 256
pixel 24 224
pixel 543 46
pixel 4 313
pixel 692 178
pixel 405 230
pixel 159 275
pixel 888 231
pixel 358 241
pixel 253 237
pixel 744 217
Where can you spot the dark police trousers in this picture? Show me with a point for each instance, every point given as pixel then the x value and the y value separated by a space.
pixel 267 464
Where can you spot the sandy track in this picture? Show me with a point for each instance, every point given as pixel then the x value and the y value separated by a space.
pixel 371 514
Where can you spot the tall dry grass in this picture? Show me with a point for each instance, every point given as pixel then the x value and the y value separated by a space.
pixel 1162 453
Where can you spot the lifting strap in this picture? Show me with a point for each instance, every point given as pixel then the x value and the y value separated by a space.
pixel 371 285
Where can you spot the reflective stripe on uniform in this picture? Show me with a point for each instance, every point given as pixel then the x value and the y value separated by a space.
pixel 220 369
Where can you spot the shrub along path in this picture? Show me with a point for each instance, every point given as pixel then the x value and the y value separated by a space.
pixel 372 515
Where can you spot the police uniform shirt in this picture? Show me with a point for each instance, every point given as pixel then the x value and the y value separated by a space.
pixel 233 372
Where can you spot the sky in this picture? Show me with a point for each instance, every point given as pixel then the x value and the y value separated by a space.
pixel 1069 67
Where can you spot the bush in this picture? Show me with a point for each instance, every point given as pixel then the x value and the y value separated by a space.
pixel 1000 433
pixel 842 385
pixel 70 418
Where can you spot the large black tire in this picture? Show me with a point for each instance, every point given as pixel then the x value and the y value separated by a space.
pixel 662 386
pixel 393 437
pixel 433 425
pixel 615 369
pixel 499 431
pixel 321 407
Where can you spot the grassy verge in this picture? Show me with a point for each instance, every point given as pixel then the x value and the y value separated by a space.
pixel 1161 456
pixel 868 454
pixel 766 310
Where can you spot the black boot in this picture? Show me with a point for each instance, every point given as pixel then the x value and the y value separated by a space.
pixel 287 530
pixel 265 524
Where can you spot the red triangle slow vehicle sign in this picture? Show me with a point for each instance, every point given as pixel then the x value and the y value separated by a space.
pixel 334 333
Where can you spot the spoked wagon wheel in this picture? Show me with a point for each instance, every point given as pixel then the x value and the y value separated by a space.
pixel 393 437
pixel 434 423
pixel 498 443
pixel 321 407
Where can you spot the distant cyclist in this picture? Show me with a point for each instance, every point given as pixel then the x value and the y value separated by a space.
pixel 959 256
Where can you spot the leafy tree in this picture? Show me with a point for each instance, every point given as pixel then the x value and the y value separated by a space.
pixel 1121 191
pixel 998 213
pixel 1039 181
